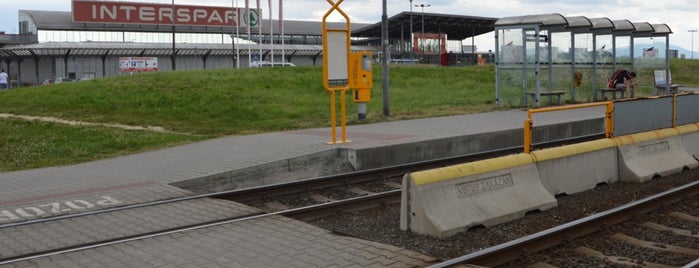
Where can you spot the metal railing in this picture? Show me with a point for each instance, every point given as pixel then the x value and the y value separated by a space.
pixel 16 39
pixel 528 123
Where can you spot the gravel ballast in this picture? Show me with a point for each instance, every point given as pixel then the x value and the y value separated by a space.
pixel 382 225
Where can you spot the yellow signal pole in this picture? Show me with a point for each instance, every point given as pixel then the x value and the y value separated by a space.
pixel 336 53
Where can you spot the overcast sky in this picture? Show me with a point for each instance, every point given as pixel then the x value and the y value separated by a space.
pixel 680 15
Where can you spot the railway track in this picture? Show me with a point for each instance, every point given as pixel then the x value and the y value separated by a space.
pixel 367 189
pixel 630 235
pixel 305 200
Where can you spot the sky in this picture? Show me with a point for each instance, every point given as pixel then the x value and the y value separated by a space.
pixel 680 15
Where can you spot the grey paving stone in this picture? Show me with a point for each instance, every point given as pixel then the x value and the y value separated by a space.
pixel 266 242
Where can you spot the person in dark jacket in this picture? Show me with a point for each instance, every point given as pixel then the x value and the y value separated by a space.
pixel 626 81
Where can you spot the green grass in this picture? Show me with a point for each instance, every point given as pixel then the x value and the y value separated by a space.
pixel 34 144
pixel 199 105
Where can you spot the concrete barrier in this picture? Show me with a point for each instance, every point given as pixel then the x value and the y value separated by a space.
pixel 690 138
pixel 654 153
pixel 444 201
pixel 578 167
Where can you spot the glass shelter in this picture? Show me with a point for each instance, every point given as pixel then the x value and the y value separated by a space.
pixel 551 59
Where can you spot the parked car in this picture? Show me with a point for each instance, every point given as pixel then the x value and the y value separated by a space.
pixel 271 64
pixel 62 80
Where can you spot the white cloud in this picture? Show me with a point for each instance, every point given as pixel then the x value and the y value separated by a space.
pixel 678 14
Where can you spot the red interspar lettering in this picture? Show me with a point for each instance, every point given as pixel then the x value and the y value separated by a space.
pixel 146 13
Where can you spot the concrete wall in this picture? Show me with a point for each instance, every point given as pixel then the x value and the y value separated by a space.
pixel 368 158
pixel 690 138
pixel 50 68
pixel 578 167
pixel 444 201
pixel 659 153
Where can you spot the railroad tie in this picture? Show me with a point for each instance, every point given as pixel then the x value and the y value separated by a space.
pixel 653 245
pixel 616 259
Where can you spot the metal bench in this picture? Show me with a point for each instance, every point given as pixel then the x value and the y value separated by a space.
pixel 604 91
pixel 674 88
pixel 661 83
pixel 551 94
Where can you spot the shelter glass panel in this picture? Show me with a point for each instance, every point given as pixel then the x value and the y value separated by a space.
pixel 584 54
pixel 557 75
pixel 649 55
pixel 530 68
pixel 605 60
pixel 511 61
pixel 623 52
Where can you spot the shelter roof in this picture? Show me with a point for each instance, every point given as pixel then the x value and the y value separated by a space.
pixel 643 27
pixel 553 22
pixel 152 49
pixel 623 25
pixel 602 24
pixel 579 22
pixel 662 29
pixel 541 20
pixel 456 27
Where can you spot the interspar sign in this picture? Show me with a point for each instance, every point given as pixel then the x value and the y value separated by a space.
pixel 162 14
pixel 138 64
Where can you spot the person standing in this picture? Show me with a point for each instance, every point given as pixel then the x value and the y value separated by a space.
pixel 3 79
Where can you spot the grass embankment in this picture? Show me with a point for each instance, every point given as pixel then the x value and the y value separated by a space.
pixel 197 105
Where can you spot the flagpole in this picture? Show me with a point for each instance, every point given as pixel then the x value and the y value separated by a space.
pixel 234 22
pixel 281 28
pixel 259 30
pixel 237 35
pixel 271 31
pixel 247 24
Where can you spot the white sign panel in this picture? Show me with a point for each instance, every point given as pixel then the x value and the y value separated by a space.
pixel 138 64
pixel 337 58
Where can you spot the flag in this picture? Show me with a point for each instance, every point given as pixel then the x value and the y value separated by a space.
pixel 281 17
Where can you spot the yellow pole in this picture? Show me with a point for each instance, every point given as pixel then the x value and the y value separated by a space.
pixel 333 117
pixel 674 110
pixel 609 129
pixel 335 6
pixel 527 136
pixel 343 117
pixel 528 123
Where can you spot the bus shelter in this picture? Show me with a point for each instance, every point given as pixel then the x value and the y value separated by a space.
pixel 553 59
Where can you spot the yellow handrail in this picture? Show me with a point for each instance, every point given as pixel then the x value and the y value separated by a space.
pixel 528 123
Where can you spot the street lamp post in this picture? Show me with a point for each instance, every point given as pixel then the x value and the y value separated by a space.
pixel 692 31
pixel 174 52
pixel 411 31
pixel 422 37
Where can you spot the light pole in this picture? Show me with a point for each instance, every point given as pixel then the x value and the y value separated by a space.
pixel 174 52
pixel 411 31
pixel 422 37
pixel 692 31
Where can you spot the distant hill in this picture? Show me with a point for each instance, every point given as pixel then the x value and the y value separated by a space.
pixel 638 50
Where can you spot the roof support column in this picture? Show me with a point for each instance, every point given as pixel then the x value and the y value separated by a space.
pixel 103 57
pixel 572 62
pixel 65 63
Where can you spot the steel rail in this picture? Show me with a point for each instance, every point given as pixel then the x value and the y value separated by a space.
pixel 309 212
pixel 284 188
pixel 510 251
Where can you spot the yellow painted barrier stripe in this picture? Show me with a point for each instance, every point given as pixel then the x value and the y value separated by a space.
pixel 689 128
pixel 573 149
pixel 646 136
pixel 472 168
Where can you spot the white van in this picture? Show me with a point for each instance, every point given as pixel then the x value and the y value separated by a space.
pixel 271 64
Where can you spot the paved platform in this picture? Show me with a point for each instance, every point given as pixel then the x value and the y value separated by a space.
pixel 240 161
